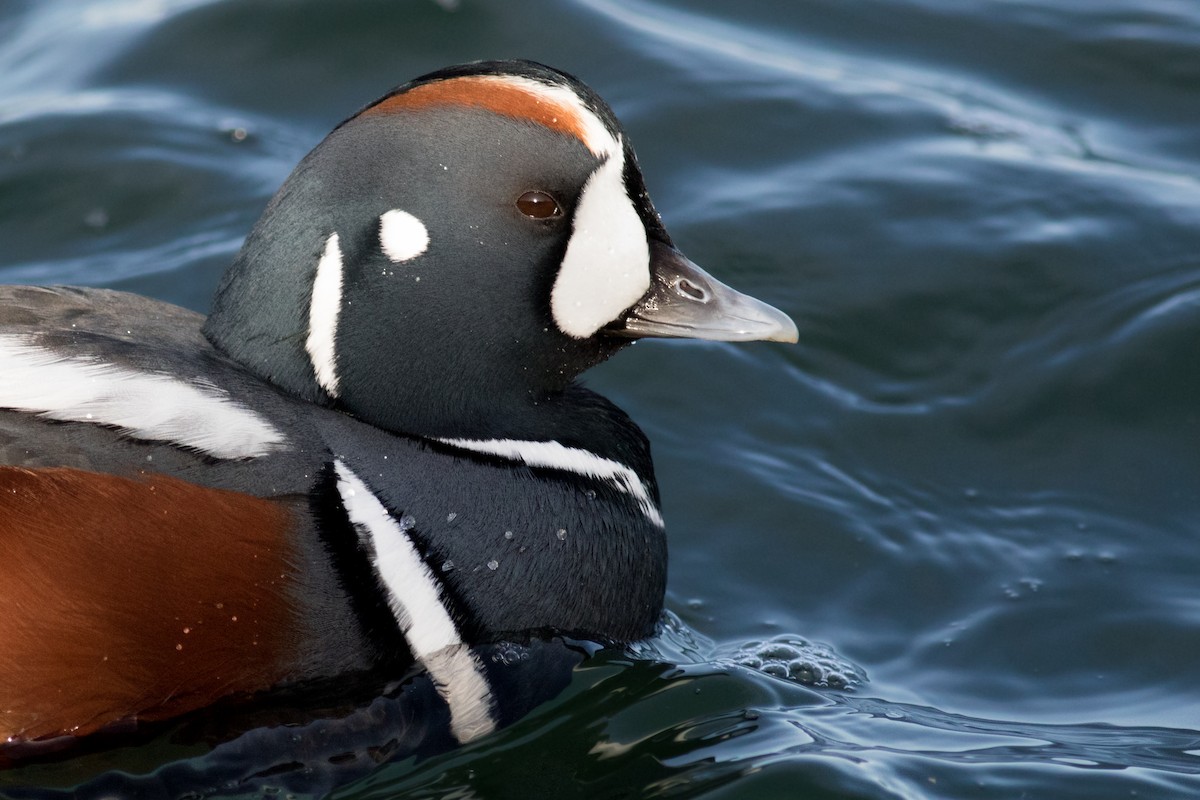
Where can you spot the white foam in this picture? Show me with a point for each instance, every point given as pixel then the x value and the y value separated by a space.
pixel 143 405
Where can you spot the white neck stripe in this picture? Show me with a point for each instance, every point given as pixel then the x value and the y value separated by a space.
pixel 143 405
pixel 323 310
pixel 414 597
pixel 570 459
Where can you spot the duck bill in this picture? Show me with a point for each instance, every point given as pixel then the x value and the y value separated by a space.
pixel 685 302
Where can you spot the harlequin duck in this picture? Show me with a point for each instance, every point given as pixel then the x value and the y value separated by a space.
pixel 373 452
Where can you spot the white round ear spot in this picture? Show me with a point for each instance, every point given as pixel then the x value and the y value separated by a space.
pixel 606 268
pixel 402 236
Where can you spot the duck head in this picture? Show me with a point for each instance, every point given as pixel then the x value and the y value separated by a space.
pixel 459 251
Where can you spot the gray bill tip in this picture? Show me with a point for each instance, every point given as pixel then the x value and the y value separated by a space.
pixel 685 302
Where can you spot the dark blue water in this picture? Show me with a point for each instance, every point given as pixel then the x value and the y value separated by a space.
pixel 968 500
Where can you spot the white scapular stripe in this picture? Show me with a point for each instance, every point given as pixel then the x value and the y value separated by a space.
pixel 323 310
pixel 143 405
pixel 606 268
pixel 415 601
pixel 570 459
pixel 596 136
pixel 402 236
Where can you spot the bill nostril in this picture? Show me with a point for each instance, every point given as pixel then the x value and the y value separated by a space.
pixel 690 290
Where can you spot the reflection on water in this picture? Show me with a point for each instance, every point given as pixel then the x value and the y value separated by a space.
pixel 974 479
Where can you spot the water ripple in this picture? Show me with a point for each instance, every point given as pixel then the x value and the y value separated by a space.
pixel 1098 746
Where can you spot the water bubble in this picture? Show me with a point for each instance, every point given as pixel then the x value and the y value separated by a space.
pixel 234 129
pixel 795 659
pixel 774 669
pixel 509 654
pixel 778 651
pixel 493 564
pixel 562 534
pixel 97 218
pixel 508 535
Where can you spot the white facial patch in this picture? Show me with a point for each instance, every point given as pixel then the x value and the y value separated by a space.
pixel 570 459
pixel 323 310
pixel 402 236
pixel 414 597
pixel 606 268
pixel 142 405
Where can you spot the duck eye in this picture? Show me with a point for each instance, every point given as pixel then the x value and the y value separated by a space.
pixel 538 205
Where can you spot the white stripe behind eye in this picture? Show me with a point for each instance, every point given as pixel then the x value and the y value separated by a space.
pixel 323 310
pixel 570 459
pixel 143 405
pixel 414 598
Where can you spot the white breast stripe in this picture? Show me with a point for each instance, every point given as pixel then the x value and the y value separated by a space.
pixel 570 459
pixel 143 405
pixel 606 268
pixel 413 596
pixel 460 681
pixel 323 310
